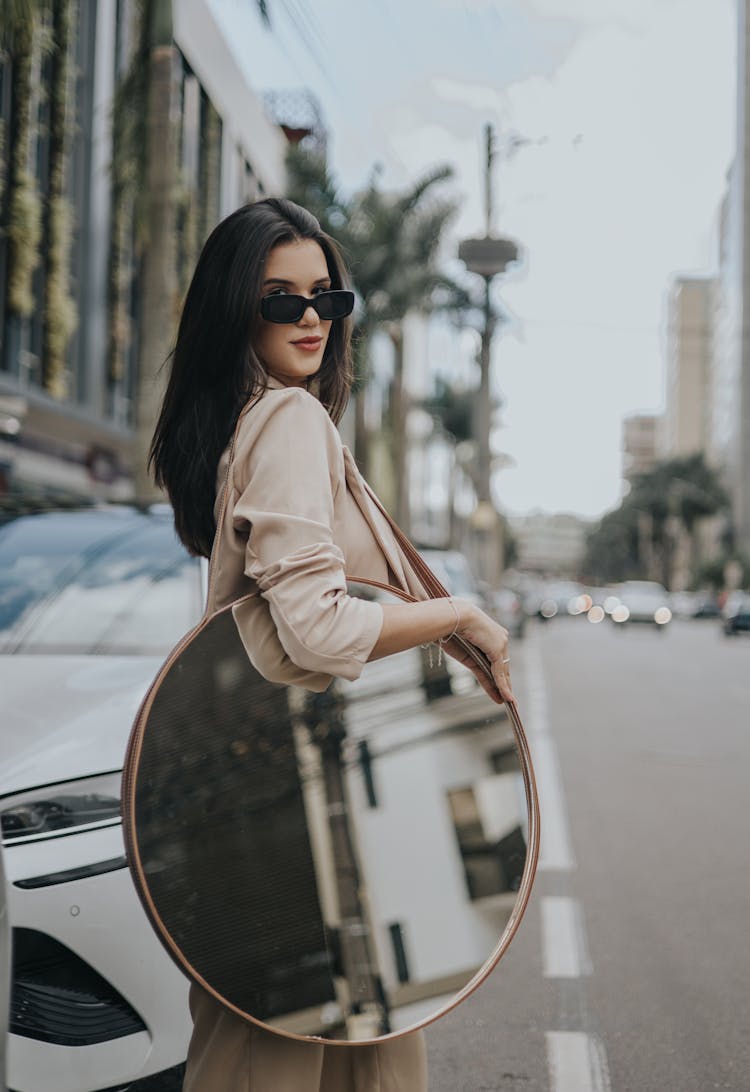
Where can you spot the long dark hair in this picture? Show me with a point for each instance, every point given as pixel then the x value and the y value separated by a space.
pixel 215 370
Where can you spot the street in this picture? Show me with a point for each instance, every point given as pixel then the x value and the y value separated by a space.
pixel 630 969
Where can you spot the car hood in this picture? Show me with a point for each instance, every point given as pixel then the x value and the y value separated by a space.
pixel 67 716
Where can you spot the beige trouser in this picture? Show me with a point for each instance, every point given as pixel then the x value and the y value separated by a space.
pixel 227 1054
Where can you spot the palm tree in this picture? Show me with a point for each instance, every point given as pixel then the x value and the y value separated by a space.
pixel 396 240
pixel 392 243
pixel 685 488
pixel 636 538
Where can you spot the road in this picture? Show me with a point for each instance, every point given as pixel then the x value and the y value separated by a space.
pixel 631 969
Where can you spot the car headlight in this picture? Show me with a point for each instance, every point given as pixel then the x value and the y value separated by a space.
pixel 662 615
pixel 67 808
pixel 620 613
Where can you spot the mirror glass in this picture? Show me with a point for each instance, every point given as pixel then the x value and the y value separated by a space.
pixel 338 864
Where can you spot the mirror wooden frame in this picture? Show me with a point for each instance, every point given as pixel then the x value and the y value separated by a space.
pixel 156 739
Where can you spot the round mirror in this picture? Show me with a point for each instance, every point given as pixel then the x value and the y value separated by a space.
pixel 345 864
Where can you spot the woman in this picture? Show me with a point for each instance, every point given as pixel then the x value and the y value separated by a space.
pixel 264 348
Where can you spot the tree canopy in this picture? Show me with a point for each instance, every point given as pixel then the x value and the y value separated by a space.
pixel 630 540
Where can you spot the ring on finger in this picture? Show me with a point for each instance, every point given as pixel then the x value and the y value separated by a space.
pixel 506 660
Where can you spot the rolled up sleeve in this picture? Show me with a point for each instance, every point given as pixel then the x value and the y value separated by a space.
pixel 288 467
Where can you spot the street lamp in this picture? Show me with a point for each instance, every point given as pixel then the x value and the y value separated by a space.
pixel 488 257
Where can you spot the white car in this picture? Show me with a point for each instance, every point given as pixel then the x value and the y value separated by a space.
pixel 91 601
pixel 643 601
pixel 4 973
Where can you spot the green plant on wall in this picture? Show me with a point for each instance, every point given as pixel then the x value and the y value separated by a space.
pixel 39 226
pixel 210 170
pixel 24 206
pixel 60 311
pixel 127 171
pixel 197 198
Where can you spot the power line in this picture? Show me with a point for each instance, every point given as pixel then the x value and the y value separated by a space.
pixel 590 323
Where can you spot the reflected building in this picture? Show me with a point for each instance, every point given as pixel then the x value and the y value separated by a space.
pixel 340 863
pixel 437 806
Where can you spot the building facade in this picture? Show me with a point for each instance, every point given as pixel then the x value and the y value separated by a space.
pixel 69 276
pixel 729 445
pixel 642 444
pixel 690 317
pixel 552 545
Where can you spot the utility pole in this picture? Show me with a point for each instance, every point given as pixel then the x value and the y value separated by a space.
pixel 487 257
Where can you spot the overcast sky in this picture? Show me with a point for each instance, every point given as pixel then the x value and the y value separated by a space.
pixel 628 110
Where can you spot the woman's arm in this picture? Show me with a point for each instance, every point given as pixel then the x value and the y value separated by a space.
pixel 406 625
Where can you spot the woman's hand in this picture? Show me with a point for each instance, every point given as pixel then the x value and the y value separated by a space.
pixel 480 630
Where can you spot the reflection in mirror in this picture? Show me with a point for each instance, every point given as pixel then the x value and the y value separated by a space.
pixel 336 864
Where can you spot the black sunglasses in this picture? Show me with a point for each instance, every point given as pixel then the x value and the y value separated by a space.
pixel 286 308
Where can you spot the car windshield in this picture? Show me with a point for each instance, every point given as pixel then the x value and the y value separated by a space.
pixel 99 581
pixel 643 587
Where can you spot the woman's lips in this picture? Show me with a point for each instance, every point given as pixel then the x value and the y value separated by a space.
pixel 310 344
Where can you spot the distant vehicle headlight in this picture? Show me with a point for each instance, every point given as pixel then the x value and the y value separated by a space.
pixel 662 615
pixel 620 613
pixel 56 810
pixel 596 614
pixel 548 609
pixel 610 603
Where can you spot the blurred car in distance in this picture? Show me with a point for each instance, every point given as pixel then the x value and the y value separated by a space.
pixel 507 608
pixel 642 602
pixel 706 605
pixel 91 602
pixel 453 570
pixel 736 614
pixel 683 604
pixel 560 598
pixel 695 604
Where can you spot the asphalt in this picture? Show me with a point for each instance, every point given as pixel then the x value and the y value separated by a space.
pixel 652 735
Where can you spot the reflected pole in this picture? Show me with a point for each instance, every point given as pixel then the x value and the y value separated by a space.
pixel 368 1004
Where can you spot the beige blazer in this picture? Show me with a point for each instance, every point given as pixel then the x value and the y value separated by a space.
pixel 299 517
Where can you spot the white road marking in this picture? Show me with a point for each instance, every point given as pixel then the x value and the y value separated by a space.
pixel 556 850
pixel 577 1063
pixel 536 690
pixel 564 949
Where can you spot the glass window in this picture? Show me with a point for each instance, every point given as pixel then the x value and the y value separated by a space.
pixel 493 860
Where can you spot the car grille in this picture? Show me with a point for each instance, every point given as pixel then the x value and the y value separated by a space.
pixel 58 998
pixel 169 1080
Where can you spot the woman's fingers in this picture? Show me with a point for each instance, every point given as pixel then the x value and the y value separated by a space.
pixel 498 687
pixel 501 675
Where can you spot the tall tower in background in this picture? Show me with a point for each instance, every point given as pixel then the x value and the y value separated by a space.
pixel 731 412
pixel 689 365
